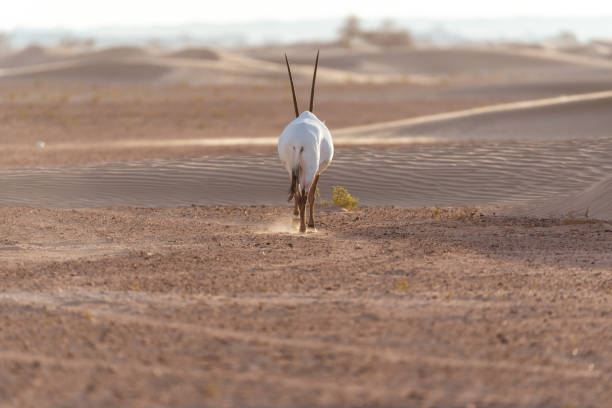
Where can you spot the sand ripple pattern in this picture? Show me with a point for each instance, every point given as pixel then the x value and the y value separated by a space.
pixel 440 175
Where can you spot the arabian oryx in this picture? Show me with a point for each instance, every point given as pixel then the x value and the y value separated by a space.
pixel 306 149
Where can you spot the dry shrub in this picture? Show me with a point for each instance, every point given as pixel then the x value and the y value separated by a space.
pixel 342 198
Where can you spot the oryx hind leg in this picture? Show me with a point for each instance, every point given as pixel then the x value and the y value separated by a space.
pixel 311 200
pixel 303 199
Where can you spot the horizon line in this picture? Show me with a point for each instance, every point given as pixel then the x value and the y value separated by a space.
pixel 160 24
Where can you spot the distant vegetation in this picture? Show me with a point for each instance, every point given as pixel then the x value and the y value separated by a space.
pixel 76 43
pixel 386 35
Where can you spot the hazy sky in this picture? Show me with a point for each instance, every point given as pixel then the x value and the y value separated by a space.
pixel 95 13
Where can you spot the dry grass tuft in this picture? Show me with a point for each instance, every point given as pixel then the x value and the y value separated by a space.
pixel 402 286
pixel 342 198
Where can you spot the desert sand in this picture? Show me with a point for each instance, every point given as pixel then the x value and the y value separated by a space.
pixel 228 306
pixel 147 257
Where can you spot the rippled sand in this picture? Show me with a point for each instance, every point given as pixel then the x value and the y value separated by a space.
pixel 447 175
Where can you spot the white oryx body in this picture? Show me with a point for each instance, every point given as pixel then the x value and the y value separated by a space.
pixel 305 145
pixel 306 149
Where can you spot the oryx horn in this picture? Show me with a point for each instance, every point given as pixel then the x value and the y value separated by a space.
pixel 292 89
pixel 314 77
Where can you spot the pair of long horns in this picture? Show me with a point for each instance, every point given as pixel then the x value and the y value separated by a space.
pixel 314 77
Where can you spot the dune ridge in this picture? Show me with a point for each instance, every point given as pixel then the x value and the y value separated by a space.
pixel 197 66
pixel 477 114
pixel 201 65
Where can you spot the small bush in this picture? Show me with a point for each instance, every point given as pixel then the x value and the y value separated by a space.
pixel 343 198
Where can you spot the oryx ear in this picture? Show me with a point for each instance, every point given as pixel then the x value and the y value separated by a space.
pixel 292 88
pixel 314 77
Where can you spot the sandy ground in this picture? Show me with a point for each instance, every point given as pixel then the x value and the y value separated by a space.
pixel 227 306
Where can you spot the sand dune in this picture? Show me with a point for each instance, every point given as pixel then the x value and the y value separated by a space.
pixel 202 65
pixel 565 117
pixel 516 153
pixel 500 154
pixel 113 53
pixel 574 57
pixel 197 53
pixel 195 66
pixel 93 70
pixel 445 175
pixel 115 64
pixel 452 75
pixel 489 63
pixel 31 55
pixel 37 55
pixel 594 202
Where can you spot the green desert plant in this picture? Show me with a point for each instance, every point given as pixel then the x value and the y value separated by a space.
pixel 342 198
